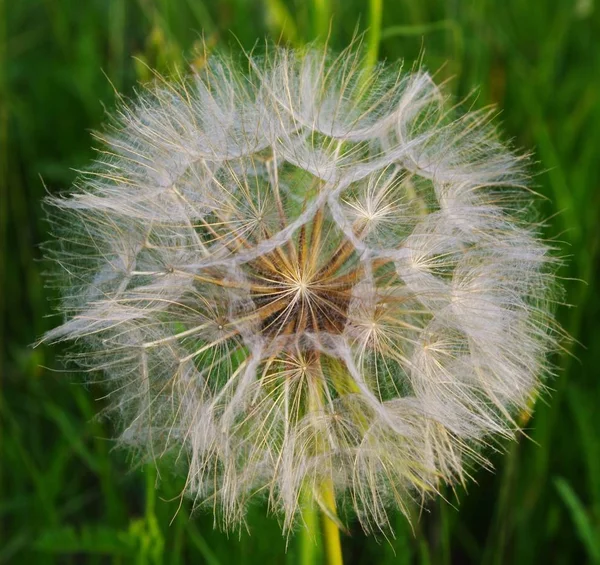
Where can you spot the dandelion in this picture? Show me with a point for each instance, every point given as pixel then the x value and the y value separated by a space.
pixel 306 280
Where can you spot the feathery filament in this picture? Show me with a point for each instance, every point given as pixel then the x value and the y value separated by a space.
pixel 304 272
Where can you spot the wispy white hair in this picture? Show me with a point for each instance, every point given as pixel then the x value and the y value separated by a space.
pixel 303 271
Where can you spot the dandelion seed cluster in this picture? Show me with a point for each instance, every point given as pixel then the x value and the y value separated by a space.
pixel 302 272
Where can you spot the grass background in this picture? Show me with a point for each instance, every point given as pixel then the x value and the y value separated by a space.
pixel 67 497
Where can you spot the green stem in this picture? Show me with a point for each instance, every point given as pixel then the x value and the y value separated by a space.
pixel 309 533
pixel 326 494
pixel 325 497
pixel 331 531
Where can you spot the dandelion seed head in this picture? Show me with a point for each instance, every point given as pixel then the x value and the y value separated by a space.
pixel 304 271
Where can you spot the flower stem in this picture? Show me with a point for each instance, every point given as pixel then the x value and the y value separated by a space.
pixel 309 534
pixel 326 494
pixel 331 531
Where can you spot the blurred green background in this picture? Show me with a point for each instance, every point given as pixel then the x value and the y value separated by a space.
pixel 67 496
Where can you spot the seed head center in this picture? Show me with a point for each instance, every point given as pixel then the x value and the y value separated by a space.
pixel 302 285
pixel 305 285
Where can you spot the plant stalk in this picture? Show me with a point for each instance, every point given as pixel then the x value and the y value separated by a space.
pixel 331 531
pixel 309 534
pixel 326 498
